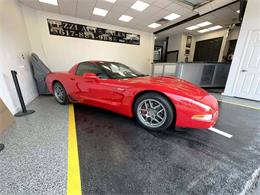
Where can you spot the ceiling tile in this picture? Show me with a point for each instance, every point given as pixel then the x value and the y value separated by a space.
pixel 173 7
pixel 32 4
pixel 85 8
pixel 162 3
pixel 68 7
pixel 104 4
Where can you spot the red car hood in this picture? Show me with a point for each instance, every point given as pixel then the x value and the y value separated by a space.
pixel 178 86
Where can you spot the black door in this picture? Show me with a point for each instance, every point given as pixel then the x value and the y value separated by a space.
pixel 207 50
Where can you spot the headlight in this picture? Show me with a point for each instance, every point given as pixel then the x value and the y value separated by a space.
pixel 204 117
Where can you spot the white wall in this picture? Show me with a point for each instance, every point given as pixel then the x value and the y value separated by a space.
pixel 178 42
pixel 14 44
pixel 60 53
pixel 174 42
pixel 251 21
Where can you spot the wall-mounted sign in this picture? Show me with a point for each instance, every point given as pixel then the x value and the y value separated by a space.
pixel 67 29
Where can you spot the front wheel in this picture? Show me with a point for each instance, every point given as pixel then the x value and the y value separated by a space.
pixel 60 93
pixel 153 111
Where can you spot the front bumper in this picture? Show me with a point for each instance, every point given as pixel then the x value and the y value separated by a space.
pixel 186 109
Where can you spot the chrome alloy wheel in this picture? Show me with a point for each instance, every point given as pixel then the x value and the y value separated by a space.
pixel 59 93
pixel 151 113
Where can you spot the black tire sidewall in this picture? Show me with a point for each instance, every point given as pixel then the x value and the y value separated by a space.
pixel 165 102
pixel 66 100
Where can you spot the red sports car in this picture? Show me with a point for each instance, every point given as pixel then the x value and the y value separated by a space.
pixel 157 102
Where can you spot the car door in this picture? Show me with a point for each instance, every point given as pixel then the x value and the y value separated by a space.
pixel 89 90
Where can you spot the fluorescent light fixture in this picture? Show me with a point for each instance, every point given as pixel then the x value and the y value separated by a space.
pixel 238 11
pixel 215 27
pixel 100 12
pixel 125 18
pixel 140 6
pixel 204 24
pixel 111 1
pixel 52 2
pixel 172 16
pixel 192 27
pixel 204 30
pixel 154 25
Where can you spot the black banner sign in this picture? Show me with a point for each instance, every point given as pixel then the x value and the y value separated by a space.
pixel 67 29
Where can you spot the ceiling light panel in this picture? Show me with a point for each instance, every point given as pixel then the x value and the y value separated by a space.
pixel 204 30
pixel 215 27
pixel 172 16
pixel 100 12
pixel 154 25
pixel 140 6
pixel 125 18
pixel 52 2
pixel 204 24
pixel 111 1
pixel 192 27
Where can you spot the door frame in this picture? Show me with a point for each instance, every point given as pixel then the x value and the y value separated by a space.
pixel 238 71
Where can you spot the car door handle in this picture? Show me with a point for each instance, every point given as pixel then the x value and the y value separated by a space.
pixel 243 70
pixel 72 78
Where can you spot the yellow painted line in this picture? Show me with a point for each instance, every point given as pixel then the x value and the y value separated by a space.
pixel 73 175
pixel 237 104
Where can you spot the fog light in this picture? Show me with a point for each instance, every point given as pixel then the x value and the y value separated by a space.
pixel 206 117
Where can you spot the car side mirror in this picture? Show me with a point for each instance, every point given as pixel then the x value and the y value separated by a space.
pixel 90 76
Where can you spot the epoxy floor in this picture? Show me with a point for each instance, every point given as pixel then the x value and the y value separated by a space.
pixel 118 157
pixel 34 160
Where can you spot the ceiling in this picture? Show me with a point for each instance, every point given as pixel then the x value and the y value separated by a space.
pixel 224 17
pixel 156 11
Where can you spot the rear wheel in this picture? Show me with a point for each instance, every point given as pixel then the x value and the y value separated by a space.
pixel 153 111
pixel 60 93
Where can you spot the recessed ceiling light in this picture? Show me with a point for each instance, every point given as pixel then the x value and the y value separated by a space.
pixel 204 24
pixel 204 30
pixel 125 18
pixel 111 1
pixel 172 16
pixel 238 11
pixel 100 12
pixel 140 6
pixel 192 27
pixel 52 2
pixel 215 27
pixel 154 25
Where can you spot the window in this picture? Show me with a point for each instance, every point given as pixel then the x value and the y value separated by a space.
pixel 87 67
pixel 119 71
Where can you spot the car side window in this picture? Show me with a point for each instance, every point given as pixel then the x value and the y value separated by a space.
pixel 86 67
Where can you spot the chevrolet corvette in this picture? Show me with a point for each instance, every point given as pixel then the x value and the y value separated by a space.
pixel 157 102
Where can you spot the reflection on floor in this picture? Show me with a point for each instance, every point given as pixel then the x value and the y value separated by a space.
pixel 117 156
pixel 34 160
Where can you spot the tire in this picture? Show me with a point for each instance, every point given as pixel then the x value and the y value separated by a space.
pixel 153 111
pixel 60 93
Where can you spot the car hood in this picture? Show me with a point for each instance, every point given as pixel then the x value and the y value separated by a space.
pixel 176 85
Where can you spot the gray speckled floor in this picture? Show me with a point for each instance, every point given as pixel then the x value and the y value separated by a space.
pixel 34 160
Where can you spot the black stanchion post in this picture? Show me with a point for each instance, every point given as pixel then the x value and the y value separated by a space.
pixel 20 96
pixel 2 146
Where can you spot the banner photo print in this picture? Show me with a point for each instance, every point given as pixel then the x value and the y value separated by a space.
pixel 67 29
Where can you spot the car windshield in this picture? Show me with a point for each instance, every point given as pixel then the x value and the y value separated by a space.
pixel 119 71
